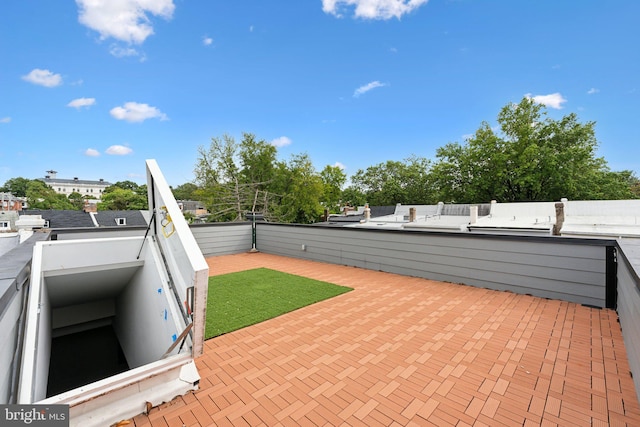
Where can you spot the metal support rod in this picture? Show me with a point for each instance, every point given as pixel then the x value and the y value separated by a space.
pixel 153 216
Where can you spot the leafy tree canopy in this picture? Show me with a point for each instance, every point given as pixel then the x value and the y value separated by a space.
pixel 128 185
pixel 300 188
pixel 531 158
pixel 40 196
pixel 333 179
pixel 185 191
pixel 16 186
pixel 234 178
pixel 393 182
pixel 122 199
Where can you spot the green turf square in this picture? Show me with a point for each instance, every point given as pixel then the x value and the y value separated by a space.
pixel 236 300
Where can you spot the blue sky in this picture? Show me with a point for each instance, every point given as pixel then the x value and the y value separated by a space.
pixel 92 88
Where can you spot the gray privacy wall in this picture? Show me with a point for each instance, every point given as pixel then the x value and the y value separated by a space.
pixel 222 238
pixel 629 305
pixel 559 268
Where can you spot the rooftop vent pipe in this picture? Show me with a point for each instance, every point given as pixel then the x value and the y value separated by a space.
pixel 473 214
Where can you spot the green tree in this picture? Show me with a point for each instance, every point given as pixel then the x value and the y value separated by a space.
pixel 393 182
pixel 16 186
pixel 77 200
pixel 124 185
pixel 185 191
pixel 533 158
pixel 218 175
pixel 300 188
pixel 40 196
pixel 611 185
pixel 333 179
pixel 257 161
pixel 236 178
pixel 634 184
pixel 119 199
pixel 351 196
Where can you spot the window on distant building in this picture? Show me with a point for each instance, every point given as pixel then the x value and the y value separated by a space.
pixel 4 225
pixel 121 221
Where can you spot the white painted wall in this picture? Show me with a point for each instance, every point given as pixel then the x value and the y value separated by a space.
pixel 87 280
pixel 146 320
pixel 82 313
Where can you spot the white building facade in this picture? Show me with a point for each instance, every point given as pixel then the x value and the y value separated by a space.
pixel 85 187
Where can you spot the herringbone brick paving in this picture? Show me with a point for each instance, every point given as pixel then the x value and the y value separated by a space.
pixel 404 351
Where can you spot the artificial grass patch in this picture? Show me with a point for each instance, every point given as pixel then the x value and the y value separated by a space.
pixel 236 300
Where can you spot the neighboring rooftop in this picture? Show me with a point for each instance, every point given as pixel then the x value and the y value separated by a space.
pixel 408 351
pixel 598 218
pixel 357 215
pixel 533 218
pixel 580 218
pixel 82 219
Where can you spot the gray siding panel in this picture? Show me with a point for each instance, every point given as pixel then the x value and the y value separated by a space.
pixel 629 314
pixel 222 239
pixel 572 272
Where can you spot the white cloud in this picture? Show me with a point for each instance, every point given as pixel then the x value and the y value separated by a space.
pixel 119 150
pixel 592 91
pixel 553 100
pixel 135 112
pixel 283 141
pixel 82 102
pixel 122 52
pixel 373 9
pixel 251 28
pixel 43 78
pixel 5 120
pixel 91 152
pixel 207 41
pixel 366 88
pixel 339 165
pixel 124 20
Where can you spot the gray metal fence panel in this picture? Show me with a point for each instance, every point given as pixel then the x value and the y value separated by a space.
pixel 572 271
pixel 222 239
pixel 629 309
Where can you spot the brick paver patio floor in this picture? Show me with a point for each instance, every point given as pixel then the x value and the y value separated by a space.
pixel 400 351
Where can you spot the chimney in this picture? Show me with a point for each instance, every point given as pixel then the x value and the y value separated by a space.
pixel 89 207
pixel 559 219
pixel 412 214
